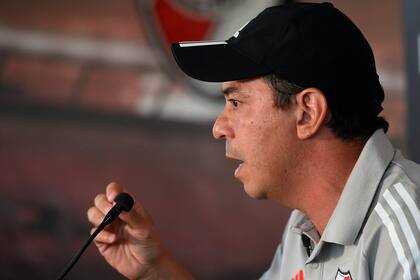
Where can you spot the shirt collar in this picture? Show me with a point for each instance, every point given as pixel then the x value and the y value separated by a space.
pixel 347 219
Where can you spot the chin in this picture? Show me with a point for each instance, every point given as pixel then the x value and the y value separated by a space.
pixel 255 192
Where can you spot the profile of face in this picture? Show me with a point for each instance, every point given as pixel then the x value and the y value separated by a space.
pixel 261 136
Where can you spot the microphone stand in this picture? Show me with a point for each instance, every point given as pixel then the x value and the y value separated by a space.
pixel 123 202
pixel 81 251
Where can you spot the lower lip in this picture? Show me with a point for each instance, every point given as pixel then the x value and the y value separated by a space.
pixel 238 169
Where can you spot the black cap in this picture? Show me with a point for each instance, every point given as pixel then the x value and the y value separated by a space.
pixel 309 44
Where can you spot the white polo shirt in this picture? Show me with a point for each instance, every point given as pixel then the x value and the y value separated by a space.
pixel 374 231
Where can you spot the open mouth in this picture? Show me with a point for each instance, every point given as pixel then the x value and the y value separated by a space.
pixel 238 169
pixel 240 165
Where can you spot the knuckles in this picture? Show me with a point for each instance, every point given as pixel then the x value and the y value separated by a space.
pixel 99 199
pixel 94 215
pixel 112 190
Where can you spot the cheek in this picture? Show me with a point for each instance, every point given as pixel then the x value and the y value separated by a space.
pixel 254 136
pixel 263 140
pixel 273 144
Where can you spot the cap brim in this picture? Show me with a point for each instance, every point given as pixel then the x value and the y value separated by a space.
pixel 215 61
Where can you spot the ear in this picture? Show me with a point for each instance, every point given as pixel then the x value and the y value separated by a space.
pixel 311 110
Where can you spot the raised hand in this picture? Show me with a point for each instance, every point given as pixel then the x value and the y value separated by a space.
pixel 130 244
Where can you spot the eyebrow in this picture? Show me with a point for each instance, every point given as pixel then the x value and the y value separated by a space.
pixel 232 90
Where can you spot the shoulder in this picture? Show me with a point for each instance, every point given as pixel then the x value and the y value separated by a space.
pixel 407 170
pixel 391 236
pixel 398 200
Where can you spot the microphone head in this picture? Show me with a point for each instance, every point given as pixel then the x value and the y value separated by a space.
pixel 125 201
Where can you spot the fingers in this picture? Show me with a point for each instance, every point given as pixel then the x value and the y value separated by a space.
pixel 113 189
pixel 95 216
pixel 137 217
pixel 104 236
pixel 102 203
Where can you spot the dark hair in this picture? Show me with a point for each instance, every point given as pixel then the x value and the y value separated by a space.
pixel 346 123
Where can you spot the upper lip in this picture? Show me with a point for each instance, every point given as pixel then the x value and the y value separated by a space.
pixel 233 158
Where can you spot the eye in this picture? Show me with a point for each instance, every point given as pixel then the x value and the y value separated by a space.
pixel 234 102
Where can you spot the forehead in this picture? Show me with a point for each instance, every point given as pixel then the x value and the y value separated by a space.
pixel 230 84
pixel 249 87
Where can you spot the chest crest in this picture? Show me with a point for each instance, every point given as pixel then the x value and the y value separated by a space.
pixel 343 275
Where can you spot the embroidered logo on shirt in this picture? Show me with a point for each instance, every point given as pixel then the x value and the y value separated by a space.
pixel 298 276
pixel 343 275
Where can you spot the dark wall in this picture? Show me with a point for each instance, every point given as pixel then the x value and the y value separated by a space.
pixel 412 56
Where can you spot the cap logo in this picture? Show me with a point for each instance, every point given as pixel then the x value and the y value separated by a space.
pixel 239 30
pixel 201 43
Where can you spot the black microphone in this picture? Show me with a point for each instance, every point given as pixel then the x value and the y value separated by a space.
pixel 123 202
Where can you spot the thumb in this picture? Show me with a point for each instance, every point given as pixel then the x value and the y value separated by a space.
pixel 137 218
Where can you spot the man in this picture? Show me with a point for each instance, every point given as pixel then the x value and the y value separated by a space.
pixel 301 117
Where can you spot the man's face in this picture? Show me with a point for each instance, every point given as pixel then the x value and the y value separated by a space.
pixel 261 136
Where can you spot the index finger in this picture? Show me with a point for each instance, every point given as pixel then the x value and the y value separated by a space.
pixel 112 190
pixel 137 217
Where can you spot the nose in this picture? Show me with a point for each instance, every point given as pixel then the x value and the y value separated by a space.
pixel 222 128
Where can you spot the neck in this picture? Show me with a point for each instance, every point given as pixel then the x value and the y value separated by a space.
pixel 326 169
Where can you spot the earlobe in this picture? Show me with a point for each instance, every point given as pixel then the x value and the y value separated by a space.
pixel 311 112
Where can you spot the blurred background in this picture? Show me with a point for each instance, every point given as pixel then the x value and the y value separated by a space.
pixel 89 94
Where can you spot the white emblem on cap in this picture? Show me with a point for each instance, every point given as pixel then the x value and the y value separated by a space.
pixel 239 30
pixel 201 43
